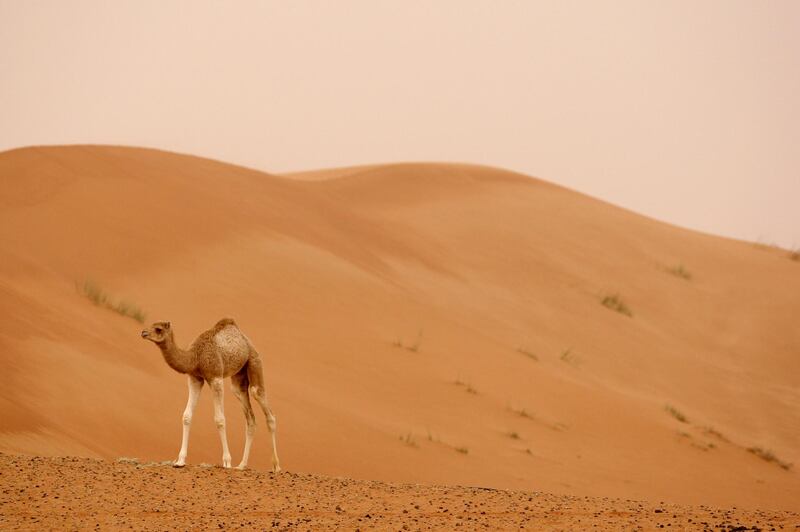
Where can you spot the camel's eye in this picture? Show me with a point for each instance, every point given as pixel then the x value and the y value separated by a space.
pixel 159 330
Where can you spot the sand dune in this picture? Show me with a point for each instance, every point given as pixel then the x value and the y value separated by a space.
pixel 425 323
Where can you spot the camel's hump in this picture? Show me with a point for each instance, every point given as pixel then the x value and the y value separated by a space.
pixel 224 322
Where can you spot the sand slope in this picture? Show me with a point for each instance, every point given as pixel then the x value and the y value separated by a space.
pixel 398 301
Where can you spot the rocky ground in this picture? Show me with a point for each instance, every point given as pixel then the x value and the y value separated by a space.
pixel 78 493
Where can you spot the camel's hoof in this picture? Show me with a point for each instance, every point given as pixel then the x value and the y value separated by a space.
pixel 178 465
pixel 276 469
pixel 241 467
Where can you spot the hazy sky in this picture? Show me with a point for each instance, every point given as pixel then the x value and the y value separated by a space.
pixel 688 111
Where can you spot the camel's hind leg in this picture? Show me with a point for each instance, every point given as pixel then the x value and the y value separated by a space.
pixel 256 377
pixel 219 418
pixel 240 384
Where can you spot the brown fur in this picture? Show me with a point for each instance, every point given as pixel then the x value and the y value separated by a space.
pixel 204 359
pixel 220 352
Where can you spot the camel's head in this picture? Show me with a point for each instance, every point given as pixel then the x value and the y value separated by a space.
pixel 158 332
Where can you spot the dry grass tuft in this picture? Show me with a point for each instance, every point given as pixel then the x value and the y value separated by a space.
pixel 409 440
pixel 615 303
pixel 100 298
pixel 568 356
pixel 710 431
pixel 769 456
pixel 411 347
pixel 677 414
pixel 527 353
pixel 466 385
pixel 521 412
pixel 680 271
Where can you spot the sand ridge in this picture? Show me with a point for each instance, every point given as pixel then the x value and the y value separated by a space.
pixel 419 323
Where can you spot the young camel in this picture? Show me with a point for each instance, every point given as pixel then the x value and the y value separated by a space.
pixel 220 352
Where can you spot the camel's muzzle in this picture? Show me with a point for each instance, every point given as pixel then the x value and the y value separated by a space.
pixel 144 334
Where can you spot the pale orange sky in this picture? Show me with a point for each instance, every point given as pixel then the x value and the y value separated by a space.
pixel 686 111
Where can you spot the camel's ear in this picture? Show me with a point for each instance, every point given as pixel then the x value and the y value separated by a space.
pixel 166 325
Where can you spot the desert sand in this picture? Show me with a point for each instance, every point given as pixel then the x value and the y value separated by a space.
pixel 82 493
pixel 436 324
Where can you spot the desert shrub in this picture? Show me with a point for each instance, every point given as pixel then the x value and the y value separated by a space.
pixel 615 303
pixel 769 456
pixel 680 271
pixel 677 414
pixel 99 297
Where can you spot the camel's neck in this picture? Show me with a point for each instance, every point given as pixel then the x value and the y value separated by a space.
pixel 178 359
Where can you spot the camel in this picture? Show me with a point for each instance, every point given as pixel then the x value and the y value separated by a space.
pixel 220 352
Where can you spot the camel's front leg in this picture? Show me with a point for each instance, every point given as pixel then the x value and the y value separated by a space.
pixel 219 419
pixel 195 386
